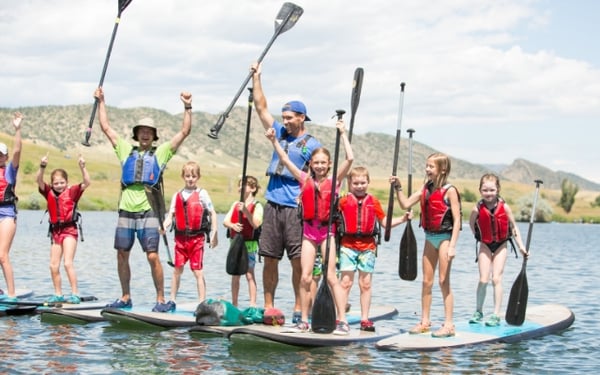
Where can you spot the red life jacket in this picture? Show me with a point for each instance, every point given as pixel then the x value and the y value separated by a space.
pixel 493 226
pixel 436 215
pixel 7 191
pixel 358 216
pixel 61 207
pixel 192 217
pixel 247 228
pixel 316 200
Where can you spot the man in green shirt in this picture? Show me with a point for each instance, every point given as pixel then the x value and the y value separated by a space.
pixel 142 166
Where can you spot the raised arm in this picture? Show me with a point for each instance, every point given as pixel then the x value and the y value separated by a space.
pixel 17 120
pixel 103 118
pixel 84 174
pixel 260 102
pixel 346 164
pixel 296 172
pixel 186 126
pixel 39 177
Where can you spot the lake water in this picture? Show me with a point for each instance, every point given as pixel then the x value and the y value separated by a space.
pixel 560 270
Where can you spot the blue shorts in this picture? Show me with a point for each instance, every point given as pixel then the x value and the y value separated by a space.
pixel 144 225
pixel 352 260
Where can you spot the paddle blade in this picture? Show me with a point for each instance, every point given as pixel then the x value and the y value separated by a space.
pixel 123 4
pixel 323 312
pixel 407 267
pixel 517 303
pixel 356 89
pixel 287 17
pixel 237 257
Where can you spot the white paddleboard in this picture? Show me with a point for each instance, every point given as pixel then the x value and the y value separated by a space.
pixel 183 316
pixel 539 321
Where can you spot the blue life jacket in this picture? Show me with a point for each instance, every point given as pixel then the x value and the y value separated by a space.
pixel 299 151
pixel 144 169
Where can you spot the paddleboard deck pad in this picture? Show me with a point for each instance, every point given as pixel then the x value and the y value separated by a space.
pixel 308 339
pixel 539 321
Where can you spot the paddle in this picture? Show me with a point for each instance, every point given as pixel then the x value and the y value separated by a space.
pixel 286 18
pixel 517 302
pixel 157 202
pixel 237 257
pixel 390 209
pixel 407 267
pixel 323 311
pixel 44 304
pixel 355 98
pixel 88 133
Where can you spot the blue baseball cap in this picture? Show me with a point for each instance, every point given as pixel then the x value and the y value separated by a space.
pixel 296 106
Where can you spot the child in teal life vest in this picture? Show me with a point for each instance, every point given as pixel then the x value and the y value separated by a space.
pixel 362 215
pixel 247 225
pixel 441 220
pixel 316 194
pixel 493 224
pixel 62 201
pixel 194 220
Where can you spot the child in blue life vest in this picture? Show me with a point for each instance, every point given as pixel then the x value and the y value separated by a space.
pixel 62 201
pixel 362 215
pixel 8 206
pixel 493 224
pixel 194 219
pixel 316 194
pixel 247 225
pixel 441 220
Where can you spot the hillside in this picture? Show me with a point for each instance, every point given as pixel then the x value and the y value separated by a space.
pixel 60 129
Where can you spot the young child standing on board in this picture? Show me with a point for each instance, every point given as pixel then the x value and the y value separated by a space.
pixel 194 219
pixel 316 195
pixel 251 220
pixel 62 201
pixel 441 220
pixel 361 213
pixel 493 224
pixel 8 206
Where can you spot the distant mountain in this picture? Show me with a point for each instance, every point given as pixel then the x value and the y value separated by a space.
pixel 64 126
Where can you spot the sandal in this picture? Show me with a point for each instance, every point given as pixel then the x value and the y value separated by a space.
pixel 445 331
pixel 420 328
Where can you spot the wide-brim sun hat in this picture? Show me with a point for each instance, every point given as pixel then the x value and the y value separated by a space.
pixel 147 122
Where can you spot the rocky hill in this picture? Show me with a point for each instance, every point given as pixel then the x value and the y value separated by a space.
pixel 64 126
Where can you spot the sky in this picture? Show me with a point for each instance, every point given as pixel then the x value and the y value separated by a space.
pixel 487 81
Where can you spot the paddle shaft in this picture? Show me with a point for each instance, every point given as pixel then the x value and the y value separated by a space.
pixel 390 209
pixel 408 243
pixel 290 13
pixel 88 132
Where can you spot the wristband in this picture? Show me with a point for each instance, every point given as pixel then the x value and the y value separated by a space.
pixel 42 166
pixel 398 187
pixel 188 107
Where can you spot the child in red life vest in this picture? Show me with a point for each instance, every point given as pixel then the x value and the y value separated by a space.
pixel 360 213
pixel 493 224
pixel 441 220
pixel 316 194
pixel 194 219
pixel 252 217
pixel 62 203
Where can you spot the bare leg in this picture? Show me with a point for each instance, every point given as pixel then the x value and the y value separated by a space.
pixel 124 273
pixel 251 286
pixel 157 275
pixel 235 289
pixel 56 253
pixel 175 282
pixel 444 280
pixel 270 280
pixel 201 284
pixel 69 248
pixel 430 259
pixel 364 283
pixel 8 228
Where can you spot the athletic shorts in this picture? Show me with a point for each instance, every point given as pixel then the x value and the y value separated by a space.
pixel 281 231
pixel 143 224
pixel 58 236
pixel 352 260
pixel 190 248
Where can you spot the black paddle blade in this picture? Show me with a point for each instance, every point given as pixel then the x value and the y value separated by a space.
pixel 407 267
pixel 323 312
pixel 517 303
pixel 123 4
pixel 237 257
pixel 287 17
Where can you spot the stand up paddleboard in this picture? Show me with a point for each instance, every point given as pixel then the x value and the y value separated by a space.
pixel 282 335
pixel 539 321
pixel 88 311
pixel 183 316
pixel 13 309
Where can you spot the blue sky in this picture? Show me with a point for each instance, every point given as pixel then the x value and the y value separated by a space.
pixel 486 81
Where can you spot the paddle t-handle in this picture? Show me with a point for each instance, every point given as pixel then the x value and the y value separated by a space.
pixel 339 113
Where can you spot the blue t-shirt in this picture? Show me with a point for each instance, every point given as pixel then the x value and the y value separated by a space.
pixel 283 188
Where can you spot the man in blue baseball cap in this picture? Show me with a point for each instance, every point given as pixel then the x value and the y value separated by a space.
pixel 282 224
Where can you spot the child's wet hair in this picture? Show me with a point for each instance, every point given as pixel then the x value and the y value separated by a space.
pixel 490 177
pixel 190 166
